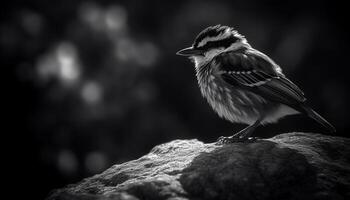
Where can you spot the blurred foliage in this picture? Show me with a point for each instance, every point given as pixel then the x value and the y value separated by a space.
pixel 98 82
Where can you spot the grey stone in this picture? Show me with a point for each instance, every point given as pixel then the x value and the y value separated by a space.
pixel 287 166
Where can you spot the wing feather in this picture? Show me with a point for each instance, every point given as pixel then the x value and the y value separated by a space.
pixel 259 74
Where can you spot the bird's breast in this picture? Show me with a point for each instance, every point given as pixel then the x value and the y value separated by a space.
pixel 231 103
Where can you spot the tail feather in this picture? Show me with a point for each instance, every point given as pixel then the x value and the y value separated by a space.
pixel 314 115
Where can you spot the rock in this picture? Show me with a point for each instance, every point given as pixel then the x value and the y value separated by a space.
pixel 287 166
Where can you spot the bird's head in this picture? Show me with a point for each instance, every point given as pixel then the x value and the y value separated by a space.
pixel 213 41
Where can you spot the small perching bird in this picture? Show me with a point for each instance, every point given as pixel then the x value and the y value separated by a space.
pixel 242 84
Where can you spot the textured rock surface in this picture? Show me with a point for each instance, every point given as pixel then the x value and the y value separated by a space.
pixel 288 166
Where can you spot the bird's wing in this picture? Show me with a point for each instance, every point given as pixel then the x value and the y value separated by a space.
pixel 257 73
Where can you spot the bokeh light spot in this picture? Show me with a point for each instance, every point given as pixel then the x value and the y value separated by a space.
pixel 31 22
pixel 67 162
pixel 147 54
pixel 91 92
pixel 62 64
pixel 66 56
pixel 91 14
pixel 95 162
pixel 144 54
pixel 125 49
pixel 116 18
pixel 47 67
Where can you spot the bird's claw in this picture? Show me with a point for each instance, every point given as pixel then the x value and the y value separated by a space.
pixel 235 139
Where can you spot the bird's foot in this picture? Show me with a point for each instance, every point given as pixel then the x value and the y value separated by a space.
pixel 235 139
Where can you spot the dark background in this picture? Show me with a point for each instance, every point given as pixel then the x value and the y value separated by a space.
pixel 95 83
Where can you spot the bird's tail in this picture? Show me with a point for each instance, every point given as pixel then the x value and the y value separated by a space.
pixel 314 115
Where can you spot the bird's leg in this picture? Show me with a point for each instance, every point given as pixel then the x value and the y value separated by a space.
pixel 241 136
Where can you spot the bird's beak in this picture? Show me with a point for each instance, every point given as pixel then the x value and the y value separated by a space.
pixel 190 51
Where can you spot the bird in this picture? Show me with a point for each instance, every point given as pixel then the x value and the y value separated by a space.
pixel 242 84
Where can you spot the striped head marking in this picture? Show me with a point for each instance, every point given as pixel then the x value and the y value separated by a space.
pixel 217 37
pixel 213 41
